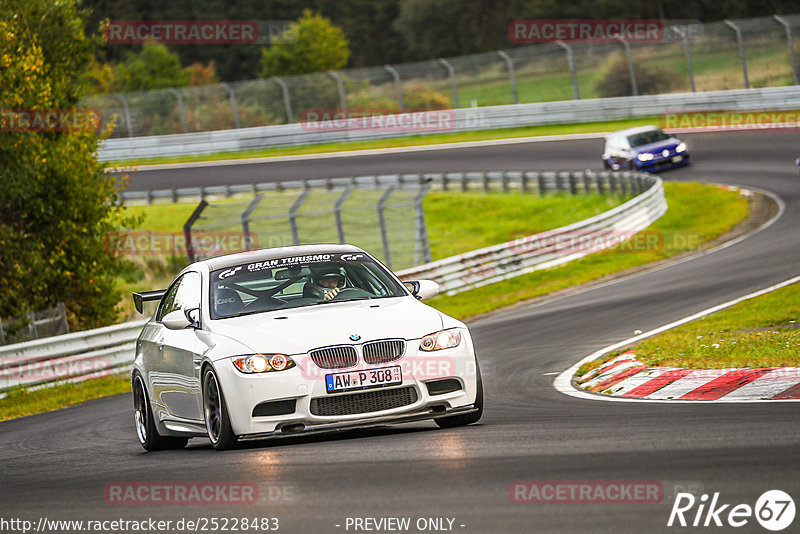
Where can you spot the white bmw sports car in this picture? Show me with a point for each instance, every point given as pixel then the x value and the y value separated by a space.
pixel 284 341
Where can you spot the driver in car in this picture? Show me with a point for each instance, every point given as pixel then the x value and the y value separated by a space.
pixel 326 284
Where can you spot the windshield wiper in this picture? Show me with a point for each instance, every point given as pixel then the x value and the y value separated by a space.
pixel 341 300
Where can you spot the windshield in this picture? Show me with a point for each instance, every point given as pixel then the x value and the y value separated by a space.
pixel 645 138
pixel 296 281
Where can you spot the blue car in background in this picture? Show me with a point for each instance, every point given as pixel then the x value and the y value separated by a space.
pixel 645 148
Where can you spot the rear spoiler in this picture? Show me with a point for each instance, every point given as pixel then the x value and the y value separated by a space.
pixel 139 298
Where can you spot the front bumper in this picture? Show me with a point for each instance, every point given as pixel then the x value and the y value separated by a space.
pixel 304 383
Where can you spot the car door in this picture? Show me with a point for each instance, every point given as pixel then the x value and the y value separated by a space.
pixel 174 367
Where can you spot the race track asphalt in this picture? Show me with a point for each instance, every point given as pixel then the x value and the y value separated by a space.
pixel 57 464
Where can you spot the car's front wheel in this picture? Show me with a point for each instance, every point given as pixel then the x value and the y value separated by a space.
pixel 467 418
pixel 146 431
pixel 218 424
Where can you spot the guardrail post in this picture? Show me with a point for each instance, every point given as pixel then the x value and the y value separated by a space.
pixel 629 57
pixel 587 183
pixel 486 186
pixel 398 86
pixel 687 52
pixel 599 182
pixel 789 40
pixel 740 42
pixel 287 102
pixel 421 240
pixel 234 106
pixel 387 258
pixel 451 73
pixel 511 76
pixel 337 211
pixel 340 88
pixel 127 110
pixel 187 229
pixel 248 241
pixel 573 186
pixel 612 182
pixel 182 112
pixel 572 73
pixel 623 185
pixel 293 215
pixel 542 185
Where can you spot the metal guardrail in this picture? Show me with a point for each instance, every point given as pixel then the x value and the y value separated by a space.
pixel 81 355
pixel 463 120
pixel 69 357
pixel 556 247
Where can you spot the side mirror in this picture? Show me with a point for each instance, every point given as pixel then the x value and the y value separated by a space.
pixel 423 289
pixel 176 320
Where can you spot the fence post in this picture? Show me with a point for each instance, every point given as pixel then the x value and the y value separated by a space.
pixel 337 211
pixel 789 39
pixel 576 95
pixel 451 73
pixel 382 221
pixel 739 41
pixel 629 57
pixel 2 333
pixel 398 87
pixel 63 311
pixel 339 87
pixel 234 106
pixel 293 215
pixel 287 102
pixel 421 240
pixel 187 228
pixel 127 110
pixel 177 94
pixel 248 242
pixel 512 78
pixel 687 52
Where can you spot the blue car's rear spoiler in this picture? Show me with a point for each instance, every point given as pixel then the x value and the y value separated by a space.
pixel 139 298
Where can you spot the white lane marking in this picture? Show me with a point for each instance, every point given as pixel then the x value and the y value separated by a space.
pixel 550 374
pixel 563 382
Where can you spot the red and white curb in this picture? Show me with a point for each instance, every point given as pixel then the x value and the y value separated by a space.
pixel 771 380
pixel 625 376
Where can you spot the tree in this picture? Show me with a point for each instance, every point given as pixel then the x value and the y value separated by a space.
pixel 312 44
pixel 155 67
pixel 56 204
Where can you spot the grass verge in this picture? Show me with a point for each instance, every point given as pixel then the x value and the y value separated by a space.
pixel 416 140
pixel 759 332
pixel 20 401
pixel 697 214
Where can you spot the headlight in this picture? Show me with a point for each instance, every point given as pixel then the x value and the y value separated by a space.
pixel 681 147
pixel 644 156
pixel 445 339
pixel 263 363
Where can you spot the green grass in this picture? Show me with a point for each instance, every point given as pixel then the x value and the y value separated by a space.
pixel 759 332
pixel 417 140
pixel 19 401
pixel 697 214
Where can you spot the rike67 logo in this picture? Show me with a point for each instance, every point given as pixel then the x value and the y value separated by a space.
pixel 774 510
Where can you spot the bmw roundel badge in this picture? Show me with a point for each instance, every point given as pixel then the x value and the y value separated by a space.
pixel 354 337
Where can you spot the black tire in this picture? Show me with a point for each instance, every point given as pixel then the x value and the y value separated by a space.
pixel 146 430
pixel 467 418
pixel 215 413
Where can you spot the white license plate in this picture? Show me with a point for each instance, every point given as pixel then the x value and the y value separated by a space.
pixel 368 378
pixel 677 159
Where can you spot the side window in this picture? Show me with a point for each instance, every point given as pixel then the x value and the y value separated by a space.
pixel 184 294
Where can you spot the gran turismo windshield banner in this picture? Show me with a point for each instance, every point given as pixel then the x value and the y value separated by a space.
pixel 289 261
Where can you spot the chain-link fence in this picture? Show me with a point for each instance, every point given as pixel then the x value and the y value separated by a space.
pixel 760 52
pixel 387 220
pixel 39 324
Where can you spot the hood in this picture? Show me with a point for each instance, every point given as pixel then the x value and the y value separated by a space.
pixel 658 146
pixel 296 331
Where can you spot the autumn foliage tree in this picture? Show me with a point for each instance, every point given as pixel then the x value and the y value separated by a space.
pixel 56 203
